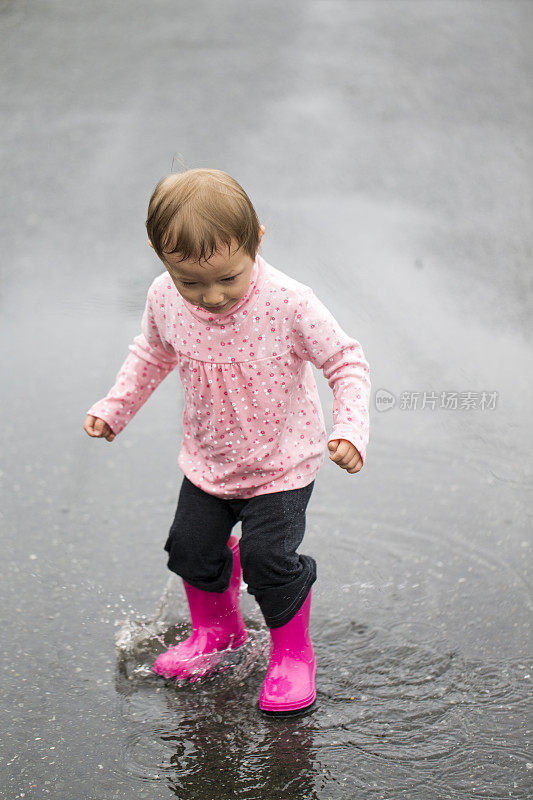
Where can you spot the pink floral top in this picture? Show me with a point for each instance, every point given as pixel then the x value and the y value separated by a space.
pixel 252 420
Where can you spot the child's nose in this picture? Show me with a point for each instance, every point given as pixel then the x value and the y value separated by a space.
pixel 213 299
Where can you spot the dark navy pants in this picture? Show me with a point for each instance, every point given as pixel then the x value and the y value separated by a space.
pixel 273 527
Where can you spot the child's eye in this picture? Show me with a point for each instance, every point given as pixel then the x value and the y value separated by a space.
pixel 223 279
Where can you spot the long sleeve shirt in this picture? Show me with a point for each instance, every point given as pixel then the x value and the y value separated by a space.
pixel 252 421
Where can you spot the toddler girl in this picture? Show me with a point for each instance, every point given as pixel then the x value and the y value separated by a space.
pixel 242 334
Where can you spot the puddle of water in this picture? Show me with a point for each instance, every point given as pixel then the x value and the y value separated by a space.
pixel 395 717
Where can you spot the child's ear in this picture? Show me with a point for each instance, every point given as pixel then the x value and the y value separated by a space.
pixel 150 243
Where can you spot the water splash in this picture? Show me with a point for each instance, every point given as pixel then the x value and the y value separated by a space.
pixel 138 642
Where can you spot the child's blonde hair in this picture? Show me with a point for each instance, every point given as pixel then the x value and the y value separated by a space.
pixel 193 212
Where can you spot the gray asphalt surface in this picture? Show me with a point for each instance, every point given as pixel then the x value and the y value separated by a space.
pixel 387 149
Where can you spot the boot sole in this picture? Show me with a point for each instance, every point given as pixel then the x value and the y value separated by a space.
pixel 289 708
pixel 287 712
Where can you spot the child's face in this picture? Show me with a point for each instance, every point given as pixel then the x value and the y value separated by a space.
pixel 216 285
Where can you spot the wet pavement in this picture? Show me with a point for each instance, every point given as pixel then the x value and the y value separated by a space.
pixel 387 149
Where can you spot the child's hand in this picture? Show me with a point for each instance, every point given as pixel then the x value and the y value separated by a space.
pixel 345 454
pixel 98 427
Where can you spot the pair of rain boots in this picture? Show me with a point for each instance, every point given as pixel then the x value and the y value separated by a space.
pixel 217 625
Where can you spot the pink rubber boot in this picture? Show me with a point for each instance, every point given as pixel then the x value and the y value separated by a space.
pixel 289 685
pixel 217 624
